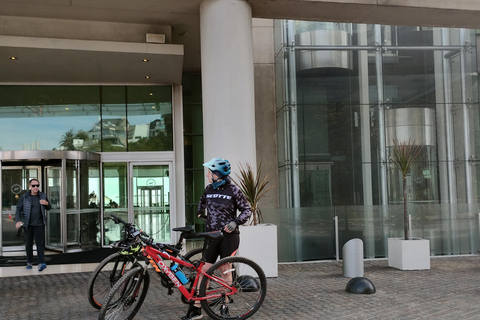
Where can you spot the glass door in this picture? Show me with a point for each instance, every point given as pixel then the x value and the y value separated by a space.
pixel 54 191
pixel 14 185
pixel 150 194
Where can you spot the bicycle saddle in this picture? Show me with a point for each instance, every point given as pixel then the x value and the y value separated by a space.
pixel 210 235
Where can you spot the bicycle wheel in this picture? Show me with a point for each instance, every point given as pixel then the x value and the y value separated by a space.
pixel 126 296
pixel 105 275
pixel 193 255
pixel 248 279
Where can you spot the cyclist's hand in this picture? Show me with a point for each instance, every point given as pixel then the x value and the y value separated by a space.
pixel 202 217
pixel 230 226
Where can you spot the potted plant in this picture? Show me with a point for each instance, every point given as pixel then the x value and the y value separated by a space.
pixel 254 186
pixel 407 253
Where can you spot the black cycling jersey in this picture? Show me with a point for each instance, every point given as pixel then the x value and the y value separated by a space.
pixel 222 205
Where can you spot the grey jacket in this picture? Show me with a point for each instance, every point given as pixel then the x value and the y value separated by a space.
pixel 25 206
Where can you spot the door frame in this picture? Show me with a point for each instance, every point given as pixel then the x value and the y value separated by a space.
pixel 177 213
pixel 39 178
pixel 130 166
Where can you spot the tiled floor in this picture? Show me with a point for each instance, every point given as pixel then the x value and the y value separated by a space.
pixel 51 269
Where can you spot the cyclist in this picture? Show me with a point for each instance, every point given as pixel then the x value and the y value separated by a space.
pixel 221 199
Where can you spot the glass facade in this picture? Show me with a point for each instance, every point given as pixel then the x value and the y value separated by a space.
pixel 344 93
pixel 193 148
pixel 86 118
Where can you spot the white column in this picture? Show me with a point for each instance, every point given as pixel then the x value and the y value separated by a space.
pixel 227 81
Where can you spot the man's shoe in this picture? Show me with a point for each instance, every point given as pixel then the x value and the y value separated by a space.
pixel 29 266
pixel 42 267
pixel 193 313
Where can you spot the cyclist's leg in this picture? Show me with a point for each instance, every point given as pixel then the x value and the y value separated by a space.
pixel 228 247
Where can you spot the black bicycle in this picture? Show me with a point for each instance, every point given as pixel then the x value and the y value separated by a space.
pixel 113 267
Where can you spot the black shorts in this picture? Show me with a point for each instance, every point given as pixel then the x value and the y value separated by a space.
pixel 223 247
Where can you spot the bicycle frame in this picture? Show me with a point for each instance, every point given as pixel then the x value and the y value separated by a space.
pixel 155 258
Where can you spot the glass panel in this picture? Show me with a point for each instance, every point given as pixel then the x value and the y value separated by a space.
pixel 303 233
pixel 73 205
pixel 14 185
pixel 308 233
pixel 72 118
pixel 151 200
pixel 113 131
pixel 150 118
pixel 63 114
pixel 72 174
pixel 193 147
pixel 89 204
pixel 115 198
pixel 54 189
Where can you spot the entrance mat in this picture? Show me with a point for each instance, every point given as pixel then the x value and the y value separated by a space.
pixel 90 256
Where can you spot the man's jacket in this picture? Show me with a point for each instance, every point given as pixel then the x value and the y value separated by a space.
pixel 25 206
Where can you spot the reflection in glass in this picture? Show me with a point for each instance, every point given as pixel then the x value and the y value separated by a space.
pixel 115 198
pixel 86 118
pixel 151 200
pixel 149 119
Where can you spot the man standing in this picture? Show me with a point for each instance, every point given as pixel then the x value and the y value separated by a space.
pixel 31 215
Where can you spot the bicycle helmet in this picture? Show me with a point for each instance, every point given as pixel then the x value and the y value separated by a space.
pixel 219 166
pixel 128 248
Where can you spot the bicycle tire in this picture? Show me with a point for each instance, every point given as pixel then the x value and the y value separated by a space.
pixel 105 275
pixel 126 296
pixel 249 280
pixel 196 254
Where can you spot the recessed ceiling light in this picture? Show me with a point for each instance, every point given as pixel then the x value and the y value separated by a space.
pixel 147 77
pixel 153 107
pixel 13 58
pixel 144 60
pixel 151 93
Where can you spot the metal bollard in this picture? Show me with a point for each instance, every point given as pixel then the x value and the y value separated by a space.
pixel 353 258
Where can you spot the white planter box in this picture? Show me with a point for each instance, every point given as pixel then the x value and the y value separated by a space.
pixel 259 243
pixel 411 254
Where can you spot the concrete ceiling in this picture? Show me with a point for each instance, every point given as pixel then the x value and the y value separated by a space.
pixel 183 17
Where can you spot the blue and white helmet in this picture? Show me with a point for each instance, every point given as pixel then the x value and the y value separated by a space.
pixel 219 166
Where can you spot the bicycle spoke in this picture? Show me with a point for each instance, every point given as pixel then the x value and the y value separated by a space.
pixel 126 297
pixel 244 294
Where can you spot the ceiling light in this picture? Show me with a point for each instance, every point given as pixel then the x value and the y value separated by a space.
pixel 147 77
pixel 13 58
pixel 144 60
pixel 151 93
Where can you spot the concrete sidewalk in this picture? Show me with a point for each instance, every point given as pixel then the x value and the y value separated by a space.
pixel 449 290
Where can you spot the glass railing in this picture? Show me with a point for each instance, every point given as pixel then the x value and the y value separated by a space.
pixel 319 233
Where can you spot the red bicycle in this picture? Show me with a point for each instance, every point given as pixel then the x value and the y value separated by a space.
pixel 232 288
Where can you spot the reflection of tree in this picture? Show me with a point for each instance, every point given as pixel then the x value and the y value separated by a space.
pixel 110 135
pixel 160 142
pixel 67 140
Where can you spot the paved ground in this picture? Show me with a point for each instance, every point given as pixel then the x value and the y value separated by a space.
pixel 450 290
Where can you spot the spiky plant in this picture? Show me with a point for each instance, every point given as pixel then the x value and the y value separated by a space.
pixel 404 154
pixel 254 188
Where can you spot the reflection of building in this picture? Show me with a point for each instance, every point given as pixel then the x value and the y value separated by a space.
pixel 113 130
pixel 137 132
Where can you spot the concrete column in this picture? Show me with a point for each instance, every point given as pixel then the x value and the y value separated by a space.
pixel 228 81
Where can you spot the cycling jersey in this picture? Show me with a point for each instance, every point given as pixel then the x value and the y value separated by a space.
pixel 222 205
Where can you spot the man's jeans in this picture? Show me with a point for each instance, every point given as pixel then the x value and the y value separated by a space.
pixel 37 234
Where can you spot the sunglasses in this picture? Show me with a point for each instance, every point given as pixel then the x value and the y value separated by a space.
pixel 35 185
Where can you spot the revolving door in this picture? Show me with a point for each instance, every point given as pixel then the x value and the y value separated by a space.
pixel 71 180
